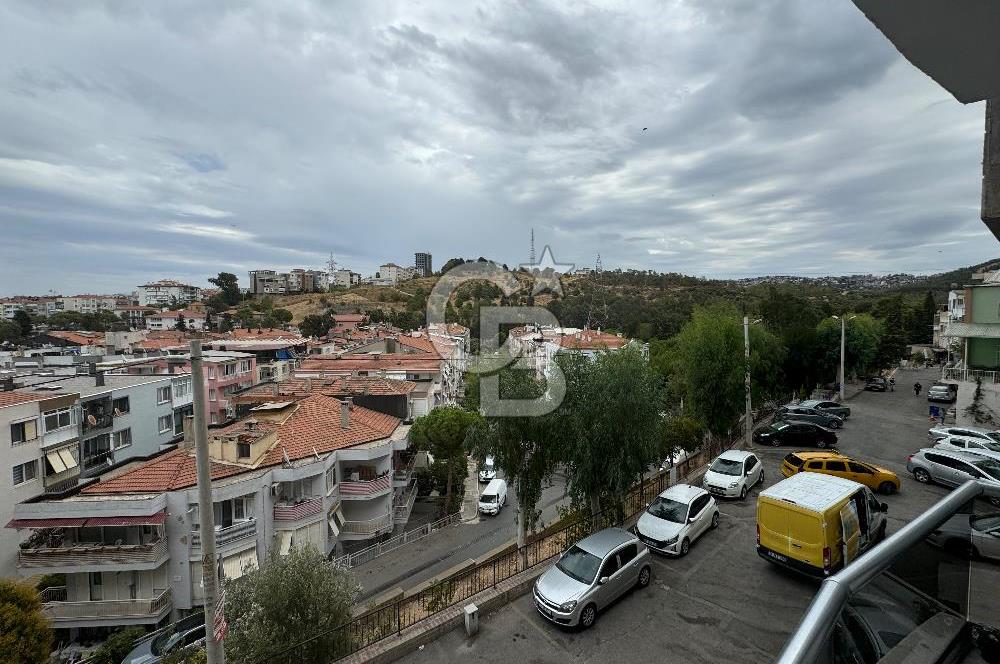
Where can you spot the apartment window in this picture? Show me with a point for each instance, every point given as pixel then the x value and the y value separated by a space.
pixel 243 450
pixel 22 432
pixel 58 419
pixel 163 394
pixel 120 406
pixel 229 369
pixel 120 439
pixel 214 418
pixel 96 450
pixel 211 372
pixel 25 472
pixel 165 423
pixel 211 394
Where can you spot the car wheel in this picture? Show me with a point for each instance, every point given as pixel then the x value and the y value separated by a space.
pixel 834 424
pixel 887 488
pixel 588 616
pixel 685 546
pixel 645 574
pixel 743 493
pixel 775 442
pixel 761 480
pixel 995 502
pixel 921 476
pixel 821 444
pixel 715 521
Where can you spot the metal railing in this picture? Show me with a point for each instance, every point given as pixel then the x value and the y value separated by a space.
pixel 237 531
pixel 92 554
pixel 296 511
pixel 370 527
pixel 813 631
pixel 374 551
pixel 403 474
pixel 970 375
pixel 365 488
pixel 59 609
pixel 401 510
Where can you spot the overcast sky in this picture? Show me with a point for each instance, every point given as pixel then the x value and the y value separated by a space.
pixel 149 140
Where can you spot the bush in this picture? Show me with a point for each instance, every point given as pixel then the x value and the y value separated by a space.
pixel 118 645
pixel 51 581
pixel 25 637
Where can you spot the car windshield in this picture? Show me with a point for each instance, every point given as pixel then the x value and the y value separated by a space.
pixel 579 564
pixel 163 642
pixel 727 467
pixel 990 467
pixel 985 522
pixel 487 498
pixel 990 445
pixel 668 509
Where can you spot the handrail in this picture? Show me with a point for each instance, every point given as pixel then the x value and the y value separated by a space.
pixel 812 632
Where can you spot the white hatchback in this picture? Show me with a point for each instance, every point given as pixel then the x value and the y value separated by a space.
pixel 676 518
pixel 733 473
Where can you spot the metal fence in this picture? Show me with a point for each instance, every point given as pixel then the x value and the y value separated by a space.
pixel 374 551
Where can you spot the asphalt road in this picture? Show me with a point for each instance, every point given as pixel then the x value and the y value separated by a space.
pixel 721 603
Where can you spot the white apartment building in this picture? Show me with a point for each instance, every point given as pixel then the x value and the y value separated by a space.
pixel 319 472
pixel 346 278
pixel 87 304
pixel 164 292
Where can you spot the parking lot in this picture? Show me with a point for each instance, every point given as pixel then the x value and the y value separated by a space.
pixel 721 603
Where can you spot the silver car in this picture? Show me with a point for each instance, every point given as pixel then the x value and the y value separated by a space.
pixel 590 575
pixel 952 468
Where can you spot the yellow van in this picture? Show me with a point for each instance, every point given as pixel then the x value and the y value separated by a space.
pixel 816 524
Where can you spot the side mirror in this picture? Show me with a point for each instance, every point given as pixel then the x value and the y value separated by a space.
pixel 883 507
pixel 601 581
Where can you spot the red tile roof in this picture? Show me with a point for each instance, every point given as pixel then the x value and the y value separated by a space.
pixel 380 362
pixel 591 340
pixel 81 338
pixel 300 388
pixel 420 343
pixel 14 398
pixel 174 470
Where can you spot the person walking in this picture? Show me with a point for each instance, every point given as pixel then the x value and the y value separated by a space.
pixel 892 384
pixel 916 389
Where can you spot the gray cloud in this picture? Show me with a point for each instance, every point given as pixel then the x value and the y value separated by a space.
pixel 177 139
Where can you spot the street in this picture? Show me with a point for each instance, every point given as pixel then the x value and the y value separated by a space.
pixel 721 603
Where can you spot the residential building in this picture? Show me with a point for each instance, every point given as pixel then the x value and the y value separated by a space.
pixel 268 282
pixel 277 357
pixel 978 335
pixel 540 345
pixel 316 471
pixel 135 314
pixel 308 281
pixel 956 305
pixel 391 273
pixel 299 280
pixel 36 306
pixel 423 264
pixel 165 292
pixel 383 395
pixel 345 278
pixel 348 323
pixel 195 319
pixel 88 304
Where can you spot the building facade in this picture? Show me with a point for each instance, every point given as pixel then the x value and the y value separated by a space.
pixel 422 263
pixel 165 292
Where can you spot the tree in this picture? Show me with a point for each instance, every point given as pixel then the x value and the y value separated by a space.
pixel 117 646
pixel 10 332
pixel 863 346
pixel 926 319
pixel 679 433
pixel 289 609
pixel 442 432
pixel 316 325
pixel 977 410
pixel 25 636
pixel 608 425
pixel 23 321
pixel 229 289
pixel 189 655
pixel 181 324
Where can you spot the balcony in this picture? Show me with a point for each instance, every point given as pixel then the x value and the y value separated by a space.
pixel 233 533
pixel 368 528
pixel 104 612
pixel 366 489
pixel 403 505
pixel 401 476
pixel 61 435
pixel 289 511
pixel 97 418
pixel 93 557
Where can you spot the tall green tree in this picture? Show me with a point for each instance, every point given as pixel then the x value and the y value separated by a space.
pixel 862 341
pixel 927 315
pixel 442 432
pixel 25 635
pixel 10 332
pixel 23 321
pixel 316 325
pixel 229 288
pixel 289 609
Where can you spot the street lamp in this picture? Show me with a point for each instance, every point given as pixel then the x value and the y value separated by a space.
pixel 748 416
pixel 843 326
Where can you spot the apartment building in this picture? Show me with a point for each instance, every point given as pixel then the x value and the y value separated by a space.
pixel 308 281
pixel 36 306
pixel 299 280
pixel 195 319
pixel 276 357
pixel 318 471
pixel 540 345
pixel 88 304
pixel 422 263
pixel 345 278
pixel 383 395
pixel 135 314
pixel 164 292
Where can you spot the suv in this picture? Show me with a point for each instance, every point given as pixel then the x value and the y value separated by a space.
pixel 806 414
pixel 795 433
pixel 952 468
pixel 590 575
pixel 940 393
pixel 874 477
pixel 970 445
pixel 876 384
pixel 832 407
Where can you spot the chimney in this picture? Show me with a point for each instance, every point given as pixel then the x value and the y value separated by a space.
pixel 345 413
pixel 390 345
pixel 309 385
pixel 99 379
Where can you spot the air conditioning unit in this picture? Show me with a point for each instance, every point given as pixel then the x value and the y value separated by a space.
pixel 275 489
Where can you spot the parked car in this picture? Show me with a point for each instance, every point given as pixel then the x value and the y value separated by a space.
pixel 970 445
pixel 971 535
pixel 876 384
pixel 189 631
pixel 795 433
pixel 590 575
pixel 832 407
pixel 493 497
pixel 676 518
pixel 941 393
pixel 988 436
pixel 816 524
pixel 488 471
pixel 952 468
pixel 874 477
pixel 804 414
pixel 734 473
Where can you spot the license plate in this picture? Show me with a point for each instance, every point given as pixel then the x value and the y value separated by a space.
pixel 778 556
pixel 542 608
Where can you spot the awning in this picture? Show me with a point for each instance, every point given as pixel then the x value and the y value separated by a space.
pixel 333 526
pixel 238 564
pixel 56 462
pixel 151 520
pixel 46 523
pixel 67 458
pixel 286 542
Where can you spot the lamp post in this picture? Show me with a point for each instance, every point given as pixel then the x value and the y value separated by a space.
pixel 843 328
pixel 748 415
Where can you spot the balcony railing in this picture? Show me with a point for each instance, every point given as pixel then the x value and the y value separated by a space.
pixel 370 527
pixel 362 489
pixel 92 422
pixel 237 531
pixel 93 555
pixel 401 509
pixel 405 472
pixel 58 609
pixel 971 375
pixel 296 511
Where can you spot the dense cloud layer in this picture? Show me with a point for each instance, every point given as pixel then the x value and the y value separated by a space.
pixel 148 140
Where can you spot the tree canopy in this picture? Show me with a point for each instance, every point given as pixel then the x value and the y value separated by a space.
pixel 442 432
pixel 25 635
pixel 229 290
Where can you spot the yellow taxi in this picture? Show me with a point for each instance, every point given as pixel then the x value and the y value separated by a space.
pixel 874 477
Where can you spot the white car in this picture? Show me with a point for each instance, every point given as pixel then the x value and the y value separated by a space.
pixel 734 473
pixel 676 518
pixel 974 535
pixel 488 471
pixel 987 436
pixel 971 445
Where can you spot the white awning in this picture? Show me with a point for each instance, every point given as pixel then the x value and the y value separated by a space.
pixel 57 464
pixel 286 542
pixel 67 458
pixel 238 564
pixel 333 527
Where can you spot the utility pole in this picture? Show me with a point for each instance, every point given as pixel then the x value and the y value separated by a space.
pixel 843 327
pixel 209 569
pixel 748 418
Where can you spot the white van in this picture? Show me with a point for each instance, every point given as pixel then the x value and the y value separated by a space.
pixel 493 497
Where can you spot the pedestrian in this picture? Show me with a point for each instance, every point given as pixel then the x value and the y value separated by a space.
pixel 916 389
pixel 892 384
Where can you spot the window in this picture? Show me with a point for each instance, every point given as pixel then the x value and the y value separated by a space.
pixel 751 462
pixel 96 450
pixel 211 372
pixel 57 419
pixel 120 406
pixel 229 369
pixel 836 466
pixel 165 423
pixel 859 468
pixel 243 450
pixel 121 439
pixel 211 394
pixel 25 472
pixel 814 465
pixel 627 554
pixel 699 504
pixel 22 432
pixel 214 418
pixel 610 567
pixel 163 394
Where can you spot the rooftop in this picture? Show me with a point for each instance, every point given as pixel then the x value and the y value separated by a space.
pixel 300 388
